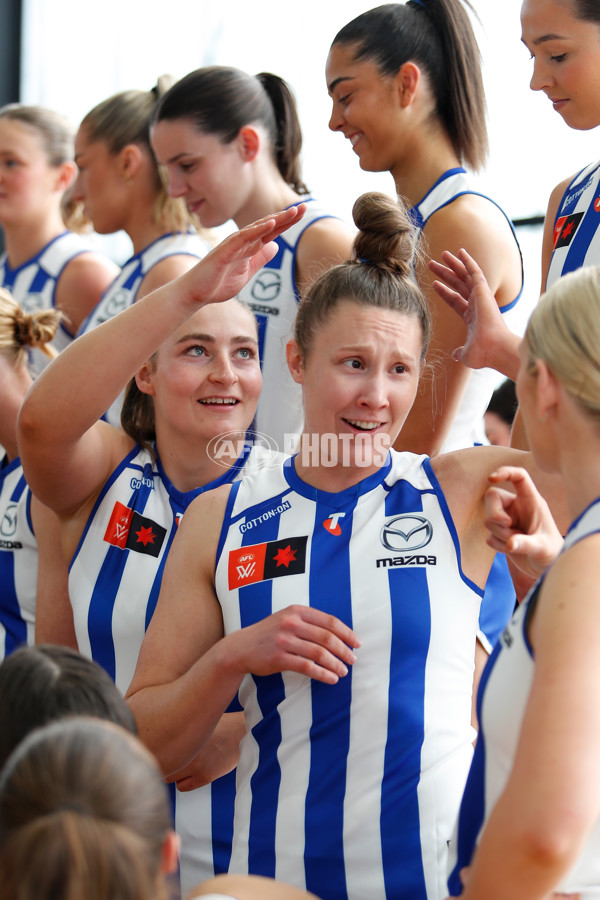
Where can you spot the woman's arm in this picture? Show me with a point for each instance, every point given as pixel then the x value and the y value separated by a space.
pixel 188 673
pixel 477 225
pixel 552 799
pixel 80 286
pixel 53 612
pixel 67 454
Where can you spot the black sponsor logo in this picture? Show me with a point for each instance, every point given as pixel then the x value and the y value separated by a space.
pixel 403 534
pixel 565 229
pixel 11 545
pixel 264 310
pixel 401 561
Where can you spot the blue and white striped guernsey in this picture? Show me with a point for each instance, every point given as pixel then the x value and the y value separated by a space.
pixel 273 296
pixel 352 790
pixel 33 285
pixel 501 703
pixel 114 583
pixel 18 560
pixel 576 231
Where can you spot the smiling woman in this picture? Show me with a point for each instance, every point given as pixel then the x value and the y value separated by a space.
pixel 120 494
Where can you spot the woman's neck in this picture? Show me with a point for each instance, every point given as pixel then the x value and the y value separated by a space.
pixel 417 170
pixel 25 240
pixel 270 195
pixel 190 465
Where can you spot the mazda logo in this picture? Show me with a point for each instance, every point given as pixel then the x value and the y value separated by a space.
pixel 406 533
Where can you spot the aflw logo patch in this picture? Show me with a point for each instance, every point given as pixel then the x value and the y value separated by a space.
pixel 128 530
pixel 565 228
pixel 261 562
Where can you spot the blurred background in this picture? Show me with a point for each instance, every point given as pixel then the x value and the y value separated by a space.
pixel 70 54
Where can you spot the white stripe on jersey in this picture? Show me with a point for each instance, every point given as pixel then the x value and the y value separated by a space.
pixel 373 798
pixel 18 561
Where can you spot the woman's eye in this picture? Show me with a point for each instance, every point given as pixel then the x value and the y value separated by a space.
pixel 559 57
pixel 196 350
pixel 399 369
pixel 353 363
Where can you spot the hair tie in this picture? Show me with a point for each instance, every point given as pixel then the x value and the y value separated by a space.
pixel 22 336
pixel 419 3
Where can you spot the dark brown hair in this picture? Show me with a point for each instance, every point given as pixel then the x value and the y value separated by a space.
pixel 221 101
pixel 438 36
pixel 379 275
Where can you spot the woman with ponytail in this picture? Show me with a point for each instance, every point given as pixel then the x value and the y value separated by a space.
pixel 122 188
pixel 28 531
pixel 407 91
pixel 347 581
pixel 230 144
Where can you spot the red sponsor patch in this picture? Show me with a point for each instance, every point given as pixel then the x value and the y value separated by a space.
pixel 118 525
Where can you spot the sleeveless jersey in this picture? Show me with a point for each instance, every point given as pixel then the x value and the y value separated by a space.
pixel 124 289
pixel 114 583
pixel 502 700
pixel 33 285
pixel 467 428
pixel 18 560
pixel 273 296
pixel 351 790
pixel 576 231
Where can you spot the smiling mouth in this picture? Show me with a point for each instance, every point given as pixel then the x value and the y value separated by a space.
pixel 219 401
pixel 361 425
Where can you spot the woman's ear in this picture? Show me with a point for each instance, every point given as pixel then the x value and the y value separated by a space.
pixel 295 361
pixel 143 379
pixel 547 390
pixel 169 856
pixel 249 142
pixel 66 175
pixel 407 82
pixel 130 161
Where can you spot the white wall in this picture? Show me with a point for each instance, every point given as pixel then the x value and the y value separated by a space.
pixel 77 52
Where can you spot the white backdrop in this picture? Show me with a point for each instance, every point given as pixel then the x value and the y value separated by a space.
pixel 76 53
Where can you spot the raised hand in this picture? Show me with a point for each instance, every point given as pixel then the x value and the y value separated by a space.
pixel 233 262
pixel 463 287
pixel 520 522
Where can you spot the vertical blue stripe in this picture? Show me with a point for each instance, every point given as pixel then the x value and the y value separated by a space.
pixel 12 620
pixel 581 242
pixel 256 604
pixel 411 628
pixel 262 322
pixel 222 809
pixel 106 588
pixel 330 591
pixel 472 807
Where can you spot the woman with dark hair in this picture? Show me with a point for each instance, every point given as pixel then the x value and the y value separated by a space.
pixel 407 92
pixel 230 143
pixel 120 494
pixel 122 188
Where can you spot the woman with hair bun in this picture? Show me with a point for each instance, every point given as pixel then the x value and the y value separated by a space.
pixel 45 265
pixel 122 188
pixel 338 595
pixel 28 531
pixel 230 144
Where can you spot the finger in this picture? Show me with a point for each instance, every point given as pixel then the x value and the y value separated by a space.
pixel 327 622
pixel 518 477
pixel 453 298
pixel 448 277
pixel 497 502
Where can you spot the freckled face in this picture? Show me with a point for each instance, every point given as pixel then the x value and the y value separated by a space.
pixel 206 379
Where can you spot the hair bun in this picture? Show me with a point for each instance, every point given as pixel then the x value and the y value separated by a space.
pixel 386 236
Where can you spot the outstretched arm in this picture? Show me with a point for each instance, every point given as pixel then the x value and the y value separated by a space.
pixel 67 455
pixel 462 286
